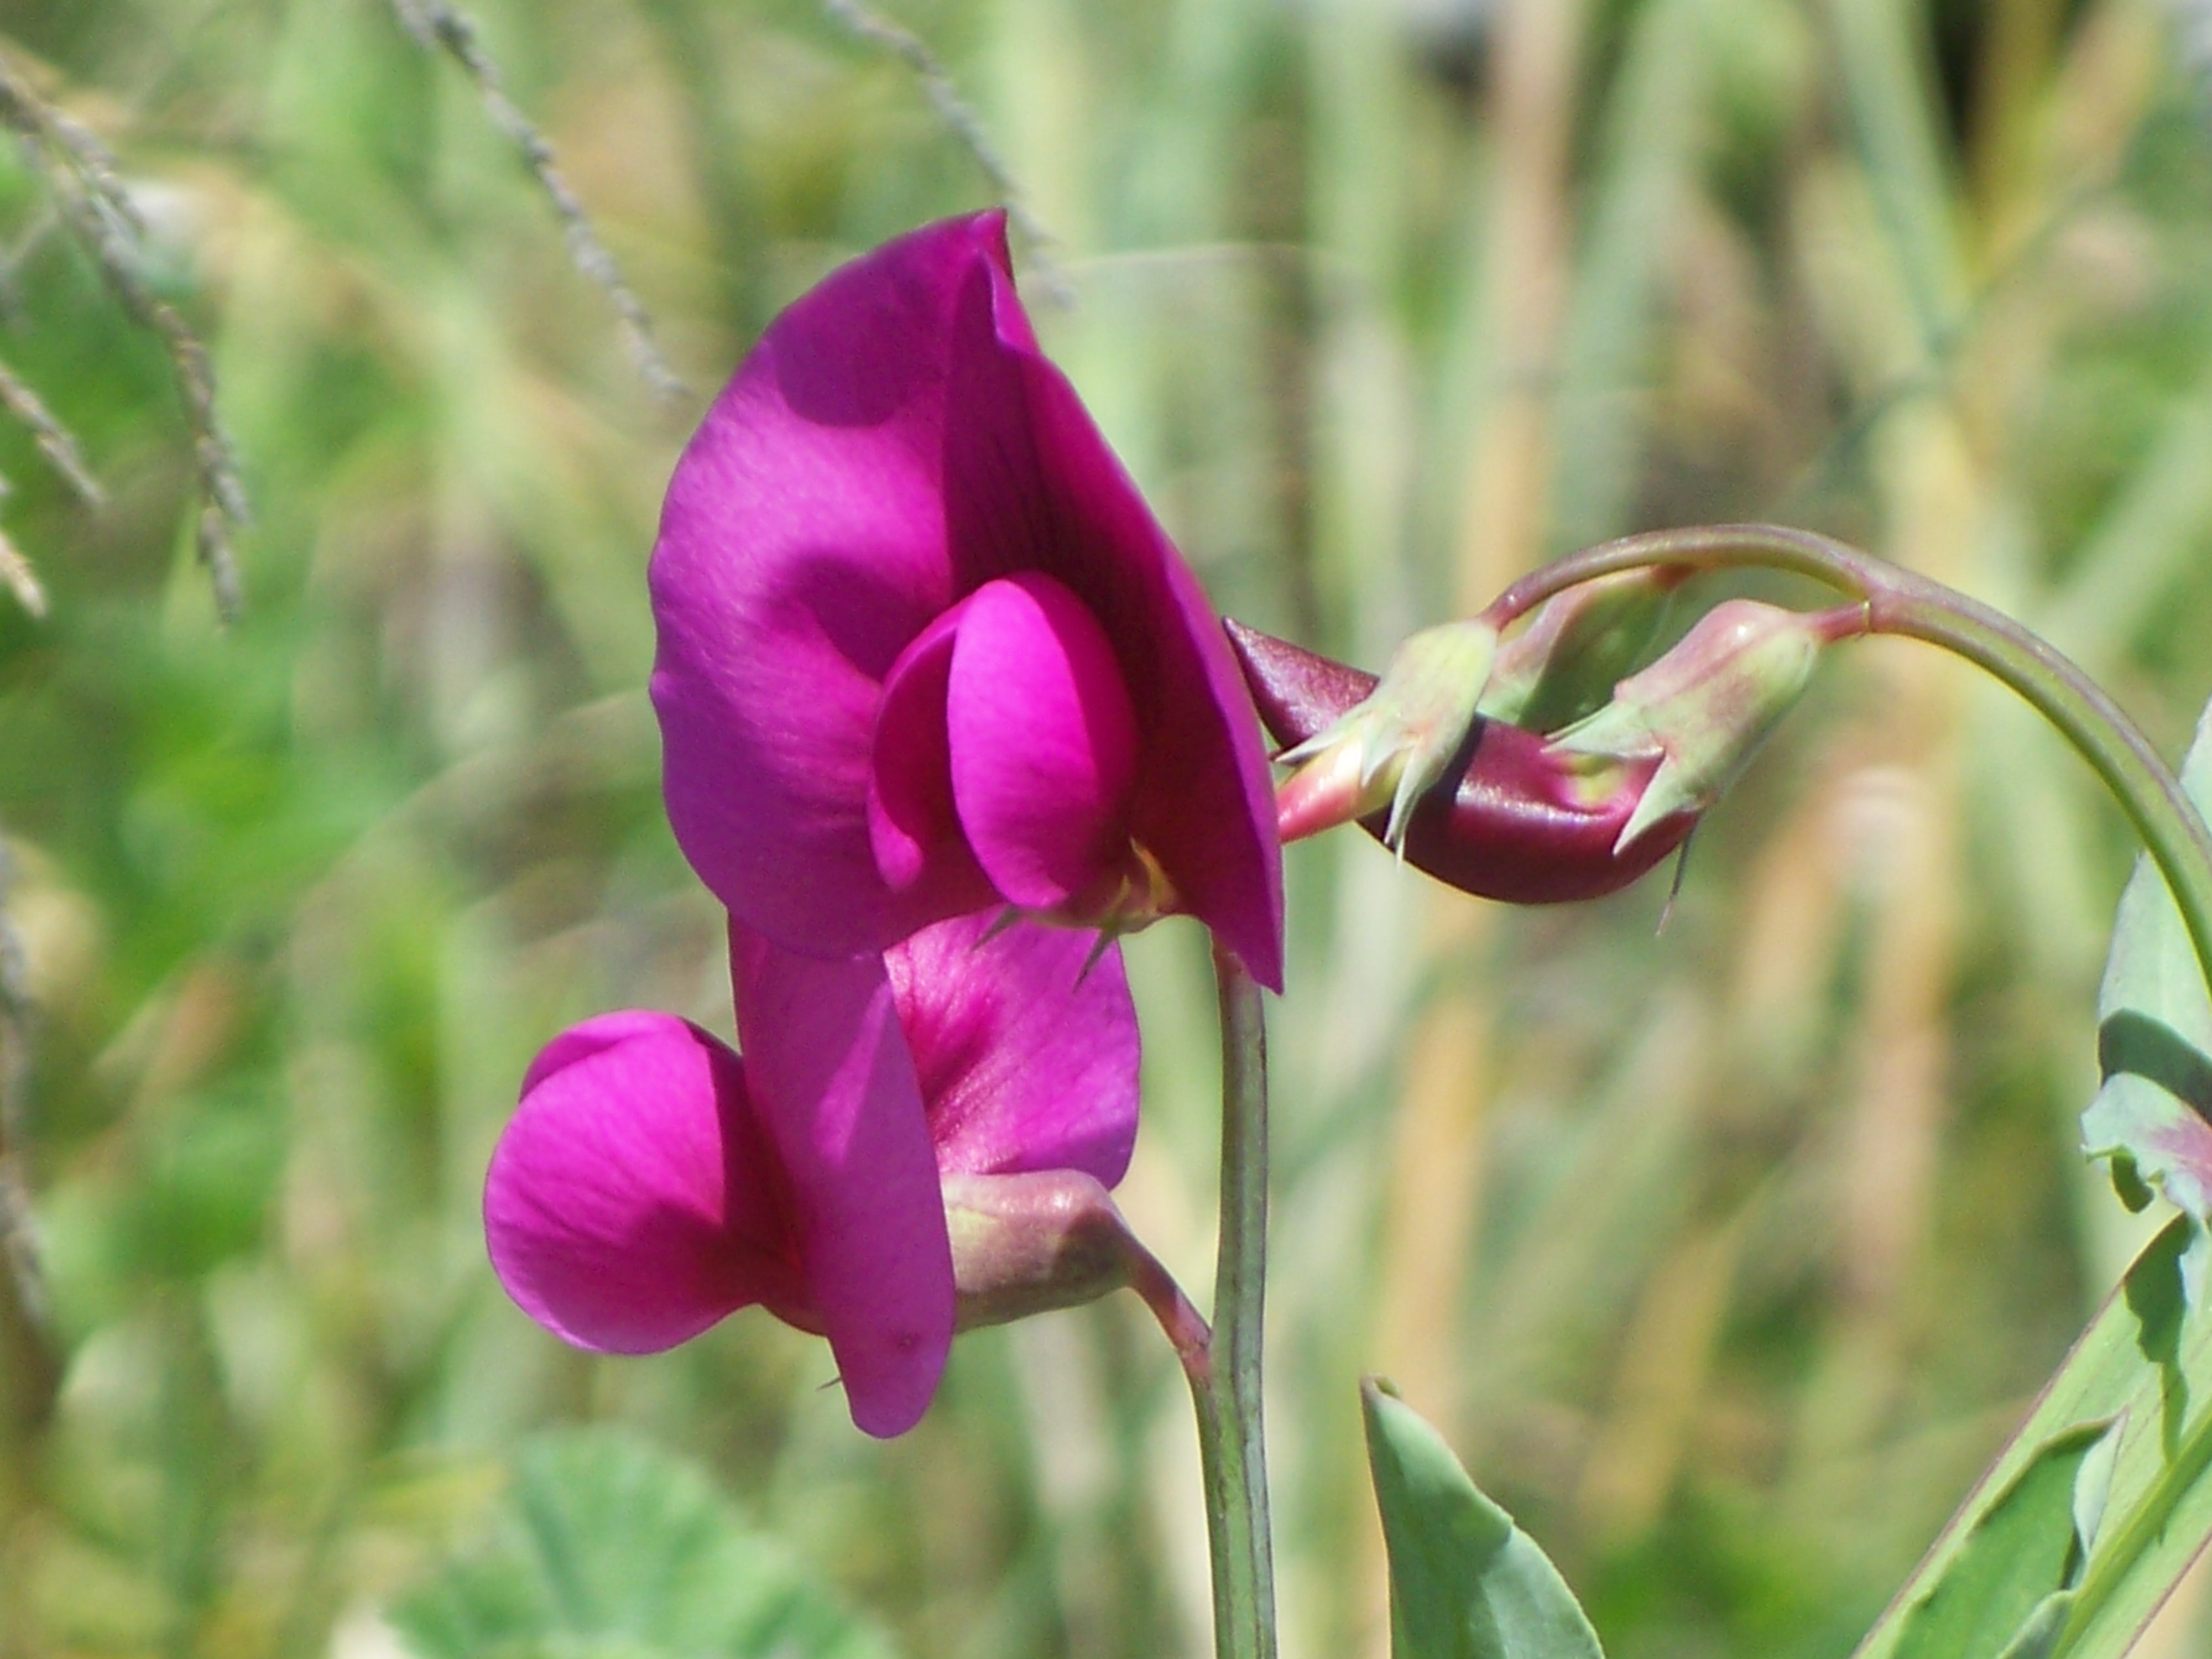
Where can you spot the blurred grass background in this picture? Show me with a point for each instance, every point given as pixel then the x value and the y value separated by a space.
pixel 1726 1256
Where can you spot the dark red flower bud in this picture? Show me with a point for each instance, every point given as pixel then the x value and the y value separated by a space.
pixel 1513 818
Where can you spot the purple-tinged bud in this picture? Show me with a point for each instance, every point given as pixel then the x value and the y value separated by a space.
pixel 1394 746
pixel 1512 818
pixel 1029 1243
pixel 1702 710
pixel 1563 662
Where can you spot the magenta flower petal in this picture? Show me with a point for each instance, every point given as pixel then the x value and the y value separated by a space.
pixel 630 1206
pixel 921 852
pixel 1027 1062
pixel 1043 745
pixel 893 444
pixel 835 1088
pixel 802 546
pixel 1038 488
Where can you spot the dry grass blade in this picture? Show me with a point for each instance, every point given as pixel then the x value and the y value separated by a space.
pixel 439 25
pixel 24 1280
pixel 858 20
pixel 54 439
pixel 16 575
pixel 87 192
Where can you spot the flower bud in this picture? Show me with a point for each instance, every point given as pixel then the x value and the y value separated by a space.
pixel 1029 1243
pixel 1563 662
pixel 1702 710
pixel 1394 744
pixel 1511 819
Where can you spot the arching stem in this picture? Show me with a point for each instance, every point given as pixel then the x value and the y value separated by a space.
pixel 1899 602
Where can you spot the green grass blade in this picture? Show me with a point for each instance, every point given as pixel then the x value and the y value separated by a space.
pixel 1885 81
pixel 1655 138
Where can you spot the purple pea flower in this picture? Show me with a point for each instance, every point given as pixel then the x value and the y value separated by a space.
pixel 923 650
pixel 1514 819
pixel 652 1183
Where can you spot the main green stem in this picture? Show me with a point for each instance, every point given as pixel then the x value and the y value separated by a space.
pixel 1899 602
pixel 1225 1387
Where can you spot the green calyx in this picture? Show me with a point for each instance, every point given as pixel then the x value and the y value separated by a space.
pixel 1031 1244
pixel 1703 709
pixel 1563 665
pixel 1404 736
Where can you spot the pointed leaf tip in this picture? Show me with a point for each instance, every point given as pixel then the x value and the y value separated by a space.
pixel 1465 1581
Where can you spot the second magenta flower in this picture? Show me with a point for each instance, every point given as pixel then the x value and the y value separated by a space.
pixel 910 1142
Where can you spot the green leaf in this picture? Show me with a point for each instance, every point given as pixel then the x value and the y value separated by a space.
pixel 2140 1507
pixel 2020 1554
pixel 2106 1481
pixel 2045 1626
pixel 608 1549
pixel 1465 1581
pixel 2152 1117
